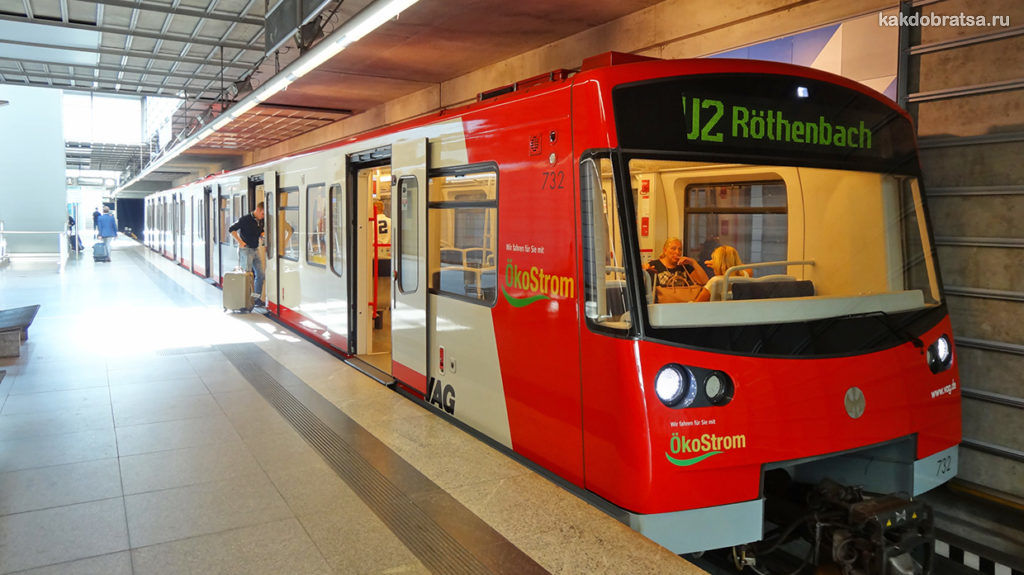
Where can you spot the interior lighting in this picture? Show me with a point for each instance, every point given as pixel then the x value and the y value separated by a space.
pixel 366 21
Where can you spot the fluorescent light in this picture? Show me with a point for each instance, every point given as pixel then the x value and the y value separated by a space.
pixel 222 121
pixel 240 108
pixel 275 86
pixel 375 17
pixel 314 62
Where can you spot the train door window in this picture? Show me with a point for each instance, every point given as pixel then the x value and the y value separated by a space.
pixel 236 209
pixel 605 280
pixel 749 216
pixel 316 225
pixel 197 216
pixel 463 212
pixel 408 235
pixel 337 203
pixel 224 216
pixel 288 224
pixel 268 226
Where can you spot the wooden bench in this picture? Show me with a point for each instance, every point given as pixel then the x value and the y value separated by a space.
pixel 14 328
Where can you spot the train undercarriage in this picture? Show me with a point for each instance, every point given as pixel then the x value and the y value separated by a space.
pixel 832 529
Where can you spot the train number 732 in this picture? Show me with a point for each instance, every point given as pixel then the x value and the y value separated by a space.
pixel 554 180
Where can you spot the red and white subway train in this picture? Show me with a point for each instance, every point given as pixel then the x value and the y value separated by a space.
pixel 520 227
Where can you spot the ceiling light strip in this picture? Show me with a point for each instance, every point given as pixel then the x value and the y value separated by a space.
pixel 366 21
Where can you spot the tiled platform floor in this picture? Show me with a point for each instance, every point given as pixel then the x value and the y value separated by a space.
pixel 132 440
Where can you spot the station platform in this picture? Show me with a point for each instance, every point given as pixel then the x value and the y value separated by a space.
pixel 144 430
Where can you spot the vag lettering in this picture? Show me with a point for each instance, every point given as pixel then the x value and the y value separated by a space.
pixel 441 395
pixel 704 447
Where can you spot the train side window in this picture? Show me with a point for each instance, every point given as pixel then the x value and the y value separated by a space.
pixel 918 262
pixel 288 223
pixel 463 209
pixel 316 225
pixel 337 225
pixel 606 285
pixel 407 260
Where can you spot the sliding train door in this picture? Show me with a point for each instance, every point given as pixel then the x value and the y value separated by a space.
pixel 409 255
pixel 367 251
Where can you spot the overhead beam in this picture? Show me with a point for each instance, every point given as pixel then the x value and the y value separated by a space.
pixel 266 106
pixel 133 54
pixel 128 85
pixel 252 46
pixel 103 68
pixel 6 79
pixel 179 11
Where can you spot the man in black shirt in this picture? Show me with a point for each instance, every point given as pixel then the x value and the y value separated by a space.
pixel 247 231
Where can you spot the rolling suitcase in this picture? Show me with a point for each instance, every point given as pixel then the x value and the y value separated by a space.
pixel 238 290
pixel 100 252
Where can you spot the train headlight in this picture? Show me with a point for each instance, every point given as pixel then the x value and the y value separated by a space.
pixel 940 354
pixel 718 388
pixel 674 384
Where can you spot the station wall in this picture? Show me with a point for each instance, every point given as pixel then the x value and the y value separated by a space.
pixel 965 92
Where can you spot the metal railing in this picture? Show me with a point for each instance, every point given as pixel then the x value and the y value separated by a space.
pixel 13 252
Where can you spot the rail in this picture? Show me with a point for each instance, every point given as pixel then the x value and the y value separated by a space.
pixel 735 269
pixel 61 251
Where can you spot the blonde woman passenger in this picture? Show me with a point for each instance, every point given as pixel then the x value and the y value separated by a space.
pixel 723 258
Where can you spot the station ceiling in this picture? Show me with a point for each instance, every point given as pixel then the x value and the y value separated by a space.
pixel 213 52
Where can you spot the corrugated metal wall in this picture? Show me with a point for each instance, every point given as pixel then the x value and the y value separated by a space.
pixel 965 88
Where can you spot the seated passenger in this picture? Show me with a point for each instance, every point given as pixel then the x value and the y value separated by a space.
pixel 677 278
pixel 723 258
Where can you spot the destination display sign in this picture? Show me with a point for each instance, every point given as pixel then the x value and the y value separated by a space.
pixel 764 115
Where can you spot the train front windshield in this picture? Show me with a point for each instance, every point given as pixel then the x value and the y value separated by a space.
pixel 810 218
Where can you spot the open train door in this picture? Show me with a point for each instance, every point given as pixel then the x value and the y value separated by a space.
pixel 409 256
pixel 270 242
